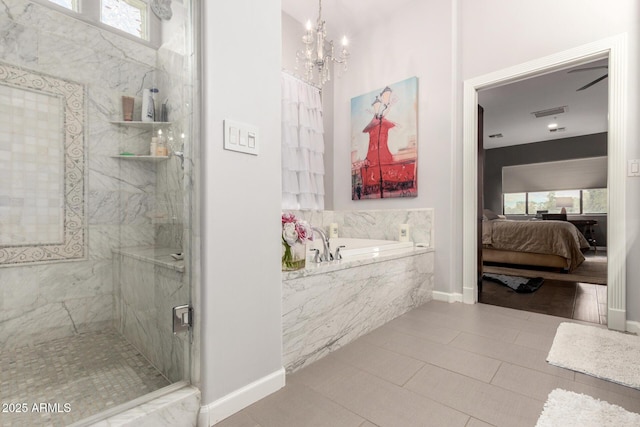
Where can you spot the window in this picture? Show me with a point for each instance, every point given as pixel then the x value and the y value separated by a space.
pixel 515 204
pixel 592 201
pixel 69 4
pixel 129 18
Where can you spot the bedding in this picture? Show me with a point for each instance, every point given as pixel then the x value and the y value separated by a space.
pixel 559 238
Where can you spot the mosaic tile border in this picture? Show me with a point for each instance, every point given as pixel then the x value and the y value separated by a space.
pixel 74 233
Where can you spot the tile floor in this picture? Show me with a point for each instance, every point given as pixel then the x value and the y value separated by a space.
pixel 91 372
pixel 438 365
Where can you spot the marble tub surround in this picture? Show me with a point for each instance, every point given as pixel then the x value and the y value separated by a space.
pixel 313 268
pixel 147 285
pixel 329 305
pixel 381 224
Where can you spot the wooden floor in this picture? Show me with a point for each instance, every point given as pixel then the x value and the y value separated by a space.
pixel 572 300
pixel 440 365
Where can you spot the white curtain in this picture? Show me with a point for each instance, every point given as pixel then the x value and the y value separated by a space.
pixel 302 146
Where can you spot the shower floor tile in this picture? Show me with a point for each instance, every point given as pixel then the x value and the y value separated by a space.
pixel 63 381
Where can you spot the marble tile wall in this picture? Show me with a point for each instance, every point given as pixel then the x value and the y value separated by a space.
pixel 40 302
pixel 322 312
pixel 145 293
pixel 376 224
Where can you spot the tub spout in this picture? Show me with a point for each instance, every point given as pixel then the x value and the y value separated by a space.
pixel 326 250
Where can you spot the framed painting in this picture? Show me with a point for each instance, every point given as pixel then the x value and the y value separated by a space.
pixel 384 142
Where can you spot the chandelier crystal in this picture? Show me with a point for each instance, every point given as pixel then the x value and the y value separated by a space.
pixel 318 53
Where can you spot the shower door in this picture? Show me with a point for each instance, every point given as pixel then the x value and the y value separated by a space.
pixel 95 230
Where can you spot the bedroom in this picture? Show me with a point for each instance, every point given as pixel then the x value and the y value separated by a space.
pixel 544 152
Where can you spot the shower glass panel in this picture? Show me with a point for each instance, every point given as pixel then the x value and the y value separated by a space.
pixel 95 229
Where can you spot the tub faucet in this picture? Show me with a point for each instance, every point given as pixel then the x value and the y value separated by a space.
pixel 326 250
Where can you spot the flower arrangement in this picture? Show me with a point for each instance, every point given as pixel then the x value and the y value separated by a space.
pixel 295 234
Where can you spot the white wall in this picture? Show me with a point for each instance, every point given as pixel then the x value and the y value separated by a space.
pixel 240 311
pixel 496 34
pixel 414 41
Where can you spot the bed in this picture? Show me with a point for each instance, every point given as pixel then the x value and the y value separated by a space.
pixel 556 244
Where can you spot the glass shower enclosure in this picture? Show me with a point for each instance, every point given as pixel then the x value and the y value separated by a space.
pixel 96 134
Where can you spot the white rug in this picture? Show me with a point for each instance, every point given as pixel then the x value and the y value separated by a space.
pixel 610 355
pixel 569 409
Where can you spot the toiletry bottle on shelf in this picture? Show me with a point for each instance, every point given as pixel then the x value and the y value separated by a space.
pixel 153 146
pixel 161 149
pixel 148 105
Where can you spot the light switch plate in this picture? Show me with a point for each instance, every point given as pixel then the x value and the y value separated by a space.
pixel 633 167
pixel 241 137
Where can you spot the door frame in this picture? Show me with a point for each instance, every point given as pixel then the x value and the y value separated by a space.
pixel 615 49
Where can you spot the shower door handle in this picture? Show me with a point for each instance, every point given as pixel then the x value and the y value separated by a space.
pixel 182 318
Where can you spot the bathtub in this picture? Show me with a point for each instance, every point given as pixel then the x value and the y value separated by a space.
pixel 329 304
pixel 357 247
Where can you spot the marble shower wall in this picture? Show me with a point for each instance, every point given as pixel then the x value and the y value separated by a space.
pixel 148 284
pixel 53 300
pixel 376 224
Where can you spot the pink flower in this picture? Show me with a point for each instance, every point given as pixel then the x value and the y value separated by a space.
pixel 288 217
pixel 295 230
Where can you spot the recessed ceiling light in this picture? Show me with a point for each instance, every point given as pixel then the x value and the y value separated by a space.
pixel 552 125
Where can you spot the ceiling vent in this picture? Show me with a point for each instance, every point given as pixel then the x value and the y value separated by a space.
pixel 496 135
pixel 550 112
pixel 557 130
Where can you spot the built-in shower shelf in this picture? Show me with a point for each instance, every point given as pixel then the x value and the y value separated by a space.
pixel 144 158
pixel 141 125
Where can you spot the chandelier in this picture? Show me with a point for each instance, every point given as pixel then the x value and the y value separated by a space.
pixel 318 53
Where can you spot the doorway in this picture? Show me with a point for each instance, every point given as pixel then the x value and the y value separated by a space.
pixel 615 49
pixel 544 145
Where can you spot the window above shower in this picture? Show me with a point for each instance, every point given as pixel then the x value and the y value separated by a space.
pixel 132 19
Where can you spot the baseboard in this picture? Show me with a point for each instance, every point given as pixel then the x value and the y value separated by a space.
pixel 633 327
pixel 228 405
pixel 447 296
pixel 617 319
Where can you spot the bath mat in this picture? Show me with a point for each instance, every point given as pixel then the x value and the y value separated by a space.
pixel 569 409
pixel 523 285
pixel 609 355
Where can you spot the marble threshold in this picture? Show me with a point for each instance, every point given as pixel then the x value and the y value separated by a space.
pixel 163 407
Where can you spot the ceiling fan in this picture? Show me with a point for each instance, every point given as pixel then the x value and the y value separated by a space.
pixel 588 85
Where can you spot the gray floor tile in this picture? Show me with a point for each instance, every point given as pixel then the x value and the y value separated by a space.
pixel 298 405
pixel 386 364
pixel 451 358
pixel 432 327
pixel 512 353
pixel 534 341
pixel 476 324
pixel 486 402
pixel 379 401
pixel 473 422
pixel 241 419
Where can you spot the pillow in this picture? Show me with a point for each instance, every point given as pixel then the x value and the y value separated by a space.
pixel 490 215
